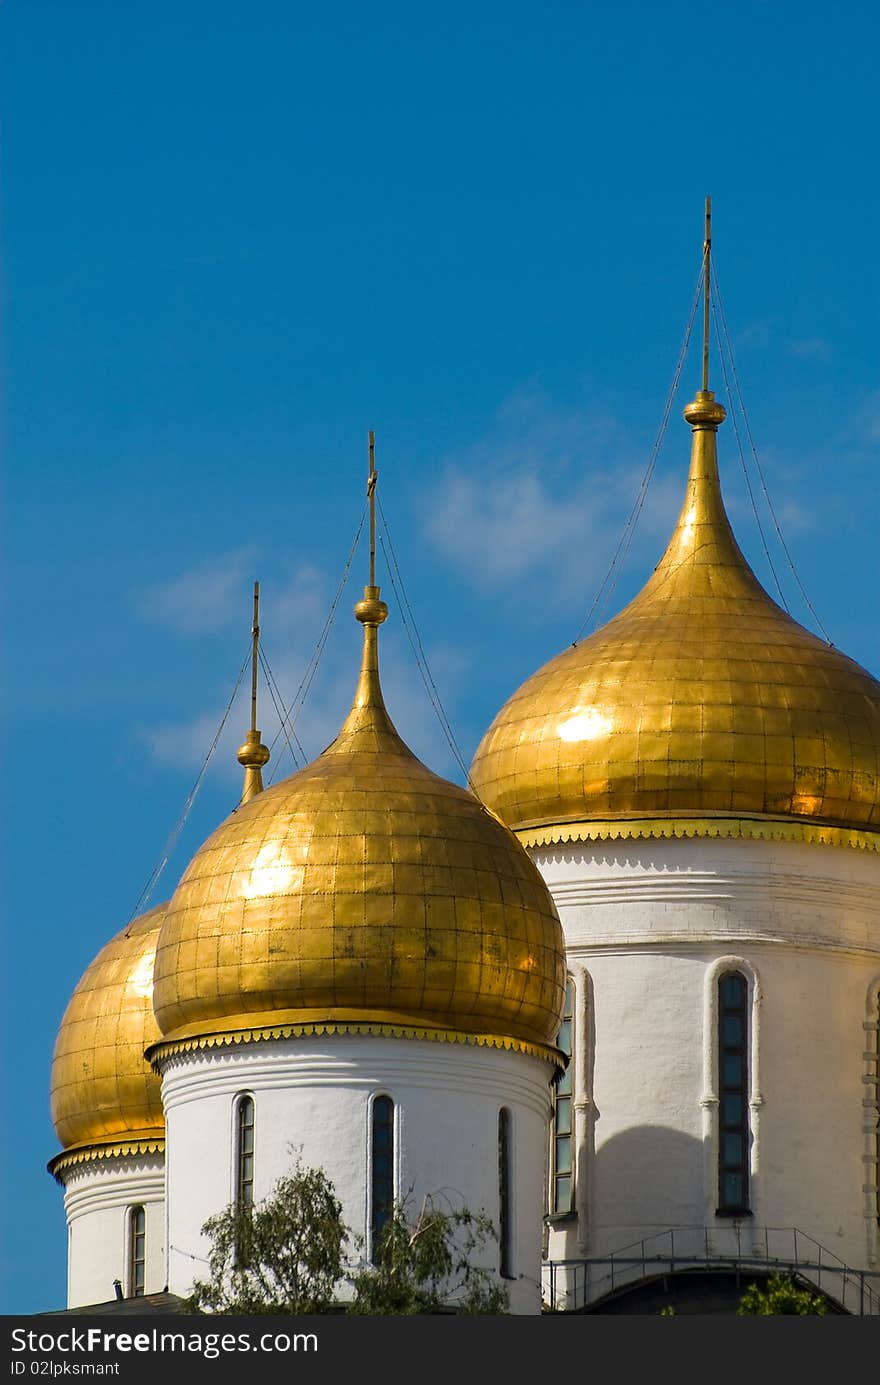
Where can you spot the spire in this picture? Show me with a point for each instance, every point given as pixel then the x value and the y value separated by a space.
pixel 703 542
pixel 368 727
pixel 703 412
pixel 707 278
pixel 253 754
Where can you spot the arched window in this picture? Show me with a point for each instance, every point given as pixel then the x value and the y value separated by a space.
pixel 381 1169
pixel 562 1153
pixel 244 1151
pixel 137 1247
pixel 733 1094
pixel 505 1197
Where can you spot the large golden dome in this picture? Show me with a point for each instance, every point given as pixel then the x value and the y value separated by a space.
pixel 701 699
pixel 363 891
pixel 103 1093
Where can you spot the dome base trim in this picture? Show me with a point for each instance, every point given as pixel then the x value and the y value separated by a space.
pixel 171 1047
pixel 754 829
pixel 89 1153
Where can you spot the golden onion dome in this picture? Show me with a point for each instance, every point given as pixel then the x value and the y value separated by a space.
pixel 363 892
pixel 103 1092
pixel 701 699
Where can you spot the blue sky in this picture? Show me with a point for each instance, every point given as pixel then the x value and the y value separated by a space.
pixel 234 238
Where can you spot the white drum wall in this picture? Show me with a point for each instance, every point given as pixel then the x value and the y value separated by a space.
pixel 312 1096
pixel 98 1197
pixel 650 925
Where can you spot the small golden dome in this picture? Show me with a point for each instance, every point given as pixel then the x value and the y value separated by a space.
pixel 102 1090
pixel 363 890
pixel 702 698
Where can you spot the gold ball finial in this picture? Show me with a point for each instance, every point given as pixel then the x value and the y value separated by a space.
pixel 704 411
pixel 253 754
pixel 371 611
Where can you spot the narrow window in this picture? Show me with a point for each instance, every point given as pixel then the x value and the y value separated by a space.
pixel 733 1089
pixel 561 1193
pixel 244 1152
pixel 137 1232
pixel 382 1172
pixel 505 1196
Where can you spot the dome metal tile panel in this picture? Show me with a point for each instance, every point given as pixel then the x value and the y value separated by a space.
pixel 102 1089
pixel 702 696
pixel 363 888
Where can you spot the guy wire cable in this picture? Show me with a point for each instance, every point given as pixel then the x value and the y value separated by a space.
pixel 760 469
pixel 412 633
pixel 302 691
pixel 742 459
pixel 629 528
pixel 171 843
pixel 281 711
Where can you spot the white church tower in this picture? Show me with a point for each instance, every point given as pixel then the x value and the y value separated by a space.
pixel 106 1100
pixel 361 968
pixel 699 784
pixel 361 965
pixel 106 1105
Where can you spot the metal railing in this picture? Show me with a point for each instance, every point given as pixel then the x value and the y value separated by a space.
pixel 572 1286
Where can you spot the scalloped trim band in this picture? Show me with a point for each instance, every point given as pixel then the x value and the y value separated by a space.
pixel 157 1052
pixel 86 1154
pixel 757 829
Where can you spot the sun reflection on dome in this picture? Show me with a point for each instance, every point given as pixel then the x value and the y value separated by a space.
pixel 273 872
pixel 587 724
pixel 140 981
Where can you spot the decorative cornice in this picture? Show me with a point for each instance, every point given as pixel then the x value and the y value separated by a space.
pixel 160 1052
pixel 90 1153
pixel 752 828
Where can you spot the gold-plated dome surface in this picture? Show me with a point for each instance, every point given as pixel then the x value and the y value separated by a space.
pixel 364 888
pixel 102 1090
pixel 701 697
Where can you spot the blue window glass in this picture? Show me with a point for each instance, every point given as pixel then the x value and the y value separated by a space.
pixel 733 1029
pixel 505 1196
pixel 382 1173
pixel 732 1111
pixel 733 1141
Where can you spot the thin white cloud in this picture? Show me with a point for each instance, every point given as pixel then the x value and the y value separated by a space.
pixel 216 595
pixel 794 517
pixel 407 701
pixel 758 334
pixel 546 490
pixel 185 744
pixel 868 417
pixel 203 599
pixel 816 348
pixel 501 528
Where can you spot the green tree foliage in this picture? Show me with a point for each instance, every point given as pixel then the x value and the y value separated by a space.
pixel 287 1255
pixel 426 1266
pixel 284 1255
pixel 780 1295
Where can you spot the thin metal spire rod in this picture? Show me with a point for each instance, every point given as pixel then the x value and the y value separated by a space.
pixel 371 496
pixel 707 257
pixel 255 633
pixel 609 581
